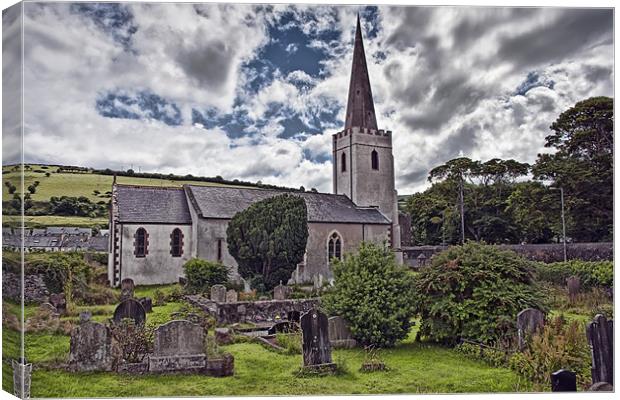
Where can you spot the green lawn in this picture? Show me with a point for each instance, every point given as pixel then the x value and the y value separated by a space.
pixel 414 368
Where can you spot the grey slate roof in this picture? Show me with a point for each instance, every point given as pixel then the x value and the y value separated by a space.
pixel 225 202
pixel 151 204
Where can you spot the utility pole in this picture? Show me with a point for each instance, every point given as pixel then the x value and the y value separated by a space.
pixel 462 211
pixel 563 222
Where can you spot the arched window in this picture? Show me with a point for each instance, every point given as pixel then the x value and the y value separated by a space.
pixel 334 247
pixel 343 162
pixel 176 243
pixel 374 159
pixel 141 243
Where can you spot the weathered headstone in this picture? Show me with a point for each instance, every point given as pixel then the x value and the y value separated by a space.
pixel 127 288
pixel 223 336
pixel 22 376
pixel 218 293
pixel 178 346
pixel 147 304
pixel 90 348
pixel 59 302
pixel 317 351
pixel 573 285
pixel 529 321
pixel 281 292
pixel 339 333
pixel 600 334
pixel 563 381
pixel 232 296
pixel 130 308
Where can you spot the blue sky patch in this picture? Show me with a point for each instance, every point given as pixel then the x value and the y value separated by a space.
pixel 534 79
pixel 113 18
pixel 142 105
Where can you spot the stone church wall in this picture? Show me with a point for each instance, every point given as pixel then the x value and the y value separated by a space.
pixel 158 267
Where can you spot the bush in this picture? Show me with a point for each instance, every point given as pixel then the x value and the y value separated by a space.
pixel 202 274
pixel 56 269
pixel 591 273
pixel 373 294
pixel 134 341
pixel 559 345
pixel 474 291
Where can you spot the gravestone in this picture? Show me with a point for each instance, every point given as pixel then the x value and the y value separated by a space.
pixel 147 304
pixel 232 296
pixel 223 336
pixel 600 333
pixel 59 302
pixel 281 292
pixel 130 308
pixel 563 381
pixel 218 293
pixel 22 377
pixel 178 346
pixel 317 351
pixel 127 288
pixel 90 348
pixel 529 321
pixel 573 285
pixel 339 333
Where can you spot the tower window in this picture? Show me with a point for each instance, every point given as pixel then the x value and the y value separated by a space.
pixel 343 162
pixel 141 243
pixel 334 247
pixel 374 159
pixel 176 243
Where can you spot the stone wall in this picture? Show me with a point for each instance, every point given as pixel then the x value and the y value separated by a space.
pixel 415 256
pixel 35 290
pixel 254 311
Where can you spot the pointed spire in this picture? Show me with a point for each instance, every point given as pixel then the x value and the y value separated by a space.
pixel 360 107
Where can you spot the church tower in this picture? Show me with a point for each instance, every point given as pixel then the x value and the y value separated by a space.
pixel 363 164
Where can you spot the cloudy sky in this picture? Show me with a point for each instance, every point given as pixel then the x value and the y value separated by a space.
pixel 255 92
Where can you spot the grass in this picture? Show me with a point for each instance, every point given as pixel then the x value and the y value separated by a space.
pixel 414 368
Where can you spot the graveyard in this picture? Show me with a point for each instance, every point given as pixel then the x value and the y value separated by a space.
pixel 222 340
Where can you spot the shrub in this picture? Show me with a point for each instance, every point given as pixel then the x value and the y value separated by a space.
pixel 159 298
pixel 57 268
pixel 474 291
pixel 202 274
pixel 373 294
pixel 134 341
pixel 591 273
pixel 559 345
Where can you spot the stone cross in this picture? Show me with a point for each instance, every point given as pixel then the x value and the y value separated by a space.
pixel 232 296
pixel 90 348
pixel 600 334
pixel 573 284
pixel 218 293
pixel 529 321
pixel 130 308
pixel 563 381
pixel 339 333
pixel 280 292
pixel 127 288
pixel 315 338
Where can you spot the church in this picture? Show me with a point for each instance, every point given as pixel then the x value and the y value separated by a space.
pixel 155 230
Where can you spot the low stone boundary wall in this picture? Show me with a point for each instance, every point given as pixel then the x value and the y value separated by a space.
pixel 417 256
pixel 255 311
pixel 35 290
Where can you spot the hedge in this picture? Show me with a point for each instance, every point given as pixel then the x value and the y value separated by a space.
pixel 591 273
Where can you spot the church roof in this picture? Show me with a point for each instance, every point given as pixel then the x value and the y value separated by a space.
pixel 360 106
pixel 151 204
pixel 224 202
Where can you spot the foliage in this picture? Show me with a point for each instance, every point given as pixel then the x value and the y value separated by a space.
pixel 559 345
pixel 474 291
pixel 583 167
pixel 268 239
pixel 535 210
pixel 373 294
pixel 291 342
pixel 202 274
pixel 590 273
pixel 58 269
pixel 134 341
pixel 159 298
pixel 75 206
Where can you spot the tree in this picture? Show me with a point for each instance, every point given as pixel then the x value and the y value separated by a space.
pixel 535 210
pixel 268 239
pixel 373 294
pixel 583 166
pixel 11 188
pixel 32 189
pixel 474 292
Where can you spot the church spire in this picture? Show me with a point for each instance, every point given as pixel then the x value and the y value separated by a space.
pixel 360 107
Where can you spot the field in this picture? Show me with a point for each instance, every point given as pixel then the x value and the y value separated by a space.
pixel 53 220
pixel 413 368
